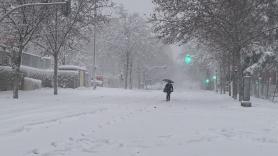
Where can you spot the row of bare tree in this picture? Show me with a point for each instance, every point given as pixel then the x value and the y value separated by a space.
pixel 46 27
pixel 126 51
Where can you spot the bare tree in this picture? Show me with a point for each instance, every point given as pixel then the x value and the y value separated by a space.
pixel 58 30
pixel 21 27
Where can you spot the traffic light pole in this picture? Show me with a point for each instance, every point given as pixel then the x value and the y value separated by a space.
pixel 216 78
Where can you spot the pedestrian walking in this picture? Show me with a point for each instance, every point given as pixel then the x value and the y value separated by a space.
pixel 168 89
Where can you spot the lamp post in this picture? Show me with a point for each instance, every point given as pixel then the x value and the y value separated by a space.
pixel 66 3
pixel 94 49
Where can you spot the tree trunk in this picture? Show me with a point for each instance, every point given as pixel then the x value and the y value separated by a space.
pixel 139 78
pixel 223 79
pixel 16 70
pixel 126 70
pixel 55 76
pixel 130 75
pixel 241 85
pixel 16 80
pixel 229 77
pixel 236 73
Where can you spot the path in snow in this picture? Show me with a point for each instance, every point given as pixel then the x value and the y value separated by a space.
pixel 115 122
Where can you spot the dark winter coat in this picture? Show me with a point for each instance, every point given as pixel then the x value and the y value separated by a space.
pixel 168 88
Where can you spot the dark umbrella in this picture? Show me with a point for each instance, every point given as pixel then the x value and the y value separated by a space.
pixel 168 80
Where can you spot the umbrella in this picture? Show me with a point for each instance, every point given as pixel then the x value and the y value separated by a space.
pixel 168 80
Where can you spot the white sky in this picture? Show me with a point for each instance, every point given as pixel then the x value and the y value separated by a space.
pixel 143 7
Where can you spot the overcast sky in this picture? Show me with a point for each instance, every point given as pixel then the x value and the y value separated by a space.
pixel 143 7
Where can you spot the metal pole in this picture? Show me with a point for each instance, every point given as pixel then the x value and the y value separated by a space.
pixel 94 49
pixel 216 77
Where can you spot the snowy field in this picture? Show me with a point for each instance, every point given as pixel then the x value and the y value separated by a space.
pixel 115 122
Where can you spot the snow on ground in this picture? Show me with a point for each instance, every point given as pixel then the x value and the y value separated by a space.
pixel 116 122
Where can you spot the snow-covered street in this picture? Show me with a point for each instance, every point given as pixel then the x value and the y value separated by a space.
pixel 118 122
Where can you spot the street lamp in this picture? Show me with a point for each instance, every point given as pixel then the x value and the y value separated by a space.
pixel 66 10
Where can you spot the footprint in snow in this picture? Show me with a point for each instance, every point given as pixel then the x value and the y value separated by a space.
pixel 53 144
pixel 71 139
pixel 121 145
pixel 35 151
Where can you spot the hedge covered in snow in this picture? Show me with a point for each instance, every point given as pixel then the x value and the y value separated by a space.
pixel 31 84
pixel 66 78
pixel 6 75
pixel 46 76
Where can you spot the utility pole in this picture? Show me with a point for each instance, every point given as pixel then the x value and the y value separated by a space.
pixel 94 49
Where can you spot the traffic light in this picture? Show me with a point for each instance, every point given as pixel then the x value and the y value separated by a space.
pixel 214 77
pixel 188 59
pixel 207 81
pixel 67 8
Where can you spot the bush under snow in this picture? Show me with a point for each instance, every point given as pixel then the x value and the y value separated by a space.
pixel 31 84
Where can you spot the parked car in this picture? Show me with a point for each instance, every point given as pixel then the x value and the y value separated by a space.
pixel 98 83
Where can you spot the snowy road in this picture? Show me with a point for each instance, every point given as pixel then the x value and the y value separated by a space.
pixel 115 122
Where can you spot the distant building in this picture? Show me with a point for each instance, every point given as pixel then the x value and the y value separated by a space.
pixel 29 60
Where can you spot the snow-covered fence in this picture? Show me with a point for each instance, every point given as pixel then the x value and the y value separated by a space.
pixel 263 85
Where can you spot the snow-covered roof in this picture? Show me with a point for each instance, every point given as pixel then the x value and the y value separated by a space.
pixel 71 67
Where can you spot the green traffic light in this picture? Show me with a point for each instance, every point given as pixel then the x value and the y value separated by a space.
pixel 188 59
pixel 214 77
pixel 207 81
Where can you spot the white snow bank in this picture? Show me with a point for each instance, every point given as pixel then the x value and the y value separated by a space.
pixel 117 122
